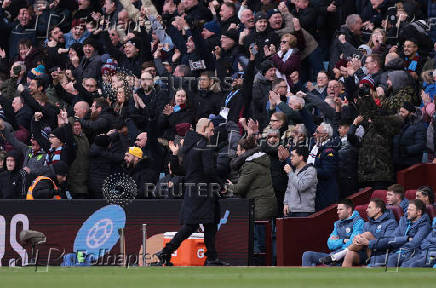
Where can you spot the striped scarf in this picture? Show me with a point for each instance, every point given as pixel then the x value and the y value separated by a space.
pixel 53 155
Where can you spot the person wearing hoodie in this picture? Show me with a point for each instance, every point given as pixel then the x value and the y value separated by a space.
pixel 402 243
pixel 410 144
pixel 255 182
pixel 200 201
pixel 11 180
pixel 401 88
pixel 381 222
pixel 424 257
pixel 345 229
pixel 301 191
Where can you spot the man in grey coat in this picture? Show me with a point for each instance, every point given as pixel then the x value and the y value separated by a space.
pixel 301 191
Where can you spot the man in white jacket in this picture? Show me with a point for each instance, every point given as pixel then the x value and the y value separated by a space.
pixel 301 191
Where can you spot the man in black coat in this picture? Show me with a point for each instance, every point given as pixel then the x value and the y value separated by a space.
pixel 204 100
pixel 101 120
pixel 200 203
pixel 410 144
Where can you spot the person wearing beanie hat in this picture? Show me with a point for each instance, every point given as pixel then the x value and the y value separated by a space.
pixel 271 12
pixel 60 168
pixel 229 39
pixel 37 72
pixel 367 81
pixel 58 133
pixel 232 34
pixel 90 65
pixel 262 37
pixel 91 41
pixel 102 140
pixel 261 88
pixel 212 34
pixel 410 144
pixel 140 169
pixel 49 185
pixel 265 66
pixel 260 16
pixel 135 151
pixel 60 141
pixel 409 107
pixel 213 26
pixel 109 68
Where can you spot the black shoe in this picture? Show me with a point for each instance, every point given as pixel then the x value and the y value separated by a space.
pixel 215 262
pixel 326 260
pixel 164 259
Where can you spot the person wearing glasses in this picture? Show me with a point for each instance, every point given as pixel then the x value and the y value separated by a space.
pixel 287 60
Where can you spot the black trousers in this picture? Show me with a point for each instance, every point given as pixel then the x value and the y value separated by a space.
pixel 186 231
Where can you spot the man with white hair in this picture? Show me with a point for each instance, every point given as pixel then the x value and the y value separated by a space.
pixel 324 157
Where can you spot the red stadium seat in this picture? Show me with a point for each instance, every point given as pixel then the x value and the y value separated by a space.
pixel 398 212
pixel 410 194
pixel 362 211
pixel 379 194
pixel 430 211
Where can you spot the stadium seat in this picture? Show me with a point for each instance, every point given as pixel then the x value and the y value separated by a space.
pixel 410 194
pixel 430 211
pixel 398 212
pixel 380 194
pixel 362 211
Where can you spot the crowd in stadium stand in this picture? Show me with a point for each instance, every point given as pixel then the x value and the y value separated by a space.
pixel 309 100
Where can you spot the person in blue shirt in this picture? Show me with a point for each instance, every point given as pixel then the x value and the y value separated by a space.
pixel 426 255
pixel 395 196
pixel 381 222
pixel 407 237
pixel 349 225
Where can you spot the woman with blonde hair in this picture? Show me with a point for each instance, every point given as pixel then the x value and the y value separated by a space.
pixel 377 41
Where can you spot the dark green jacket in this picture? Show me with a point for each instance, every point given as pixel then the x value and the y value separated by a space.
pixel 255 183
pixel 78 173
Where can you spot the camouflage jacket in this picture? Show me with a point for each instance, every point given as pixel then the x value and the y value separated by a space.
pixel 375 153
pixel 392 103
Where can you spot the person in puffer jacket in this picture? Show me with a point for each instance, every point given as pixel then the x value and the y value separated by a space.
pixel 345 229
pixel 301 191
pixel 426 256
pixel 381 223
pixel 407 237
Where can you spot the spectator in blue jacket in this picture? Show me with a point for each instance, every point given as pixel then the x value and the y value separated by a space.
pixel 406 238
pixel 395 196
pixel 425 257
pixel 345 229
pixel 381 222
